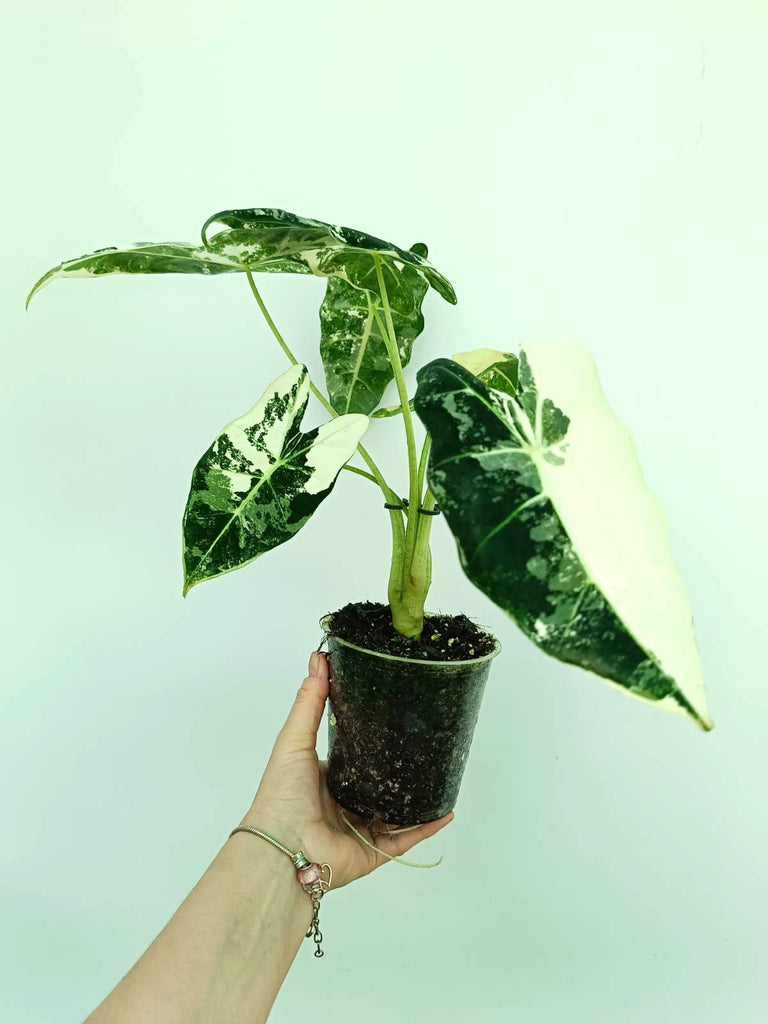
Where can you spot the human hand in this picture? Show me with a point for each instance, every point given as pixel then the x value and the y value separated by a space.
pixel 293 804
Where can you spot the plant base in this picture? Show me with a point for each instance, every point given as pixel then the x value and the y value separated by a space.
pixel 399 730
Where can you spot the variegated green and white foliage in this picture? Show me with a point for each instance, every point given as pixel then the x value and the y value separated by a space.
pixel 270 241
pixel 500 370
pixel 355 358
pixel 142 258
pixel 357 365
pixel 261 479
pixel 276 240
pixel 545 496
pixel 352 345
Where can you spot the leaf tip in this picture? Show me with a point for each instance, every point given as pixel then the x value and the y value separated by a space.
pixel 706 723
pixel 211 220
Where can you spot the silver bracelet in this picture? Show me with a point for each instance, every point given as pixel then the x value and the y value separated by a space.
pixel 309 873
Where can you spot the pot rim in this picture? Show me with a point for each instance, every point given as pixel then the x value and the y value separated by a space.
pixel 413 661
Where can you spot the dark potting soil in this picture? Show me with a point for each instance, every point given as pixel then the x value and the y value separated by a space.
pixel 444 637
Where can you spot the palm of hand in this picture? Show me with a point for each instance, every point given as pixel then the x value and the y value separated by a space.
pixel 293 797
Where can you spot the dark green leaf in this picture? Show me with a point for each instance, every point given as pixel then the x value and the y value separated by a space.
pixel 546 499
pixel 498 370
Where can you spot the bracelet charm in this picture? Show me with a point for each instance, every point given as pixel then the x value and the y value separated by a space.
pixel 309 874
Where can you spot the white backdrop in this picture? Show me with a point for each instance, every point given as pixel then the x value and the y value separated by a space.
pixel 593 171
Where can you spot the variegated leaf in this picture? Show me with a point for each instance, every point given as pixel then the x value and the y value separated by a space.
pixel 276 240
pixel 354 354
pixel 544 494
pixel 142 258
pixel 261 479
pixel 497 369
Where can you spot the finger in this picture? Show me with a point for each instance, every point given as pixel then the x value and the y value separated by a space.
pixel 306 714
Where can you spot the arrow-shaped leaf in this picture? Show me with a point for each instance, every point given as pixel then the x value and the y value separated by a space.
pixel 276 240
pixel 544 494
pixel 261 479
pixel 142 258
pixel 354 354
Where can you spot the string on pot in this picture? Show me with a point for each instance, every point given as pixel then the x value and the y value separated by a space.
pixel 408 863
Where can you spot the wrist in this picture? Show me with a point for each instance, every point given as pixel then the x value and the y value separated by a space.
pixel 267 874
pixel 285 833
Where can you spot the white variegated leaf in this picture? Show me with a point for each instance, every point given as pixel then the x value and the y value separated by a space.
pixel 142 258
pixel 277 240
pixel 262 478
pixel 545 496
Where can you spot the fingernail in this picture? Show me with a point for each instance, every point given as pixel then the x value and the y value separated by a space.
pixel 314 663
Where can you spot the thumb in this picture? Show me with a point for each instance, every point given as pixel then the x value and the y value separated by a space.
pixel 307 712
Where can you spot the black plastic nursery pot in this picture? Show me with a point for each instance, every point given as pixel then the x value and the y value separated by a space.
pixel 399 730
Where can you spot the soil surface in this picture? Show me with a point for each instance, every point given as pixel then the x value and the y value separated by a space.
pixel 444 638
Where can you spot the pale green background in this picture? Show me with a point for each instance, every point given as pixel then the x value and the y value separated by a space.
pixel 594 171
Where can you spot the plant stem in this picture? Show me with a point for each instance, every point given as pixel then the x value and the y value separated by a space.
pixel 360 472
pixel 282 342
pixel 412 535
pixel 395 516
pixel 408 604
pixel 421 557
pixel 421 552
pixel 390 340
pixel 413 473
pixel 375 471
pixel 423 461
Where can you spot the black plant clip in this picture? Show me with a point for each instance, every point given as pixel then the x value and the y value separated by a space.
pixel 422 511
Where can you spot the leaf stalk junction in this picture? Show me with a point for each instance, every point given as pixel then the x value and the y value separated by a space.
pixel 410 573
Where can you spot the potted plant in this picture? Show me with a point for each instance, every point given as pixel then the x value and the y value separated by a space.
pixel 537 480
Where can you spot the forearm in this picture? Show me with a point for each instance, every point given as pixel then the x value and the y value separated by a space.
pixel 224 954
